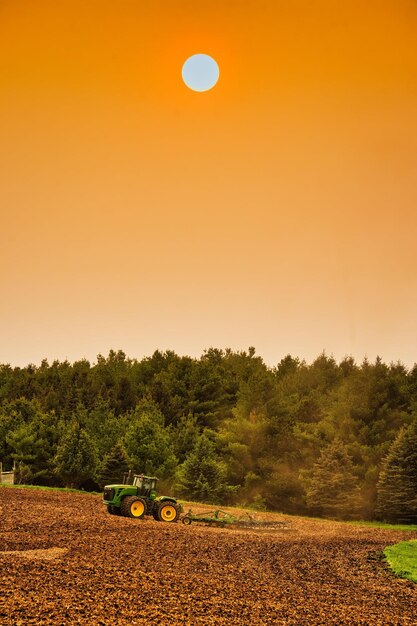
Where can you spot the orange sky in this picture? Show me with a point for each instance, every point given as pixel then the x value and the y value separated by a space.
pixel 278 210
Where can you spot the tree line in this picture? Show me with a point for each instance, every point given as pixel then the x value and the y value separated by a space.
pixel 325 438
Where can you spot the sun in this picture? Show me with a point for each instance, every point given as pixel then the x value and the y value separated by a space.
pixel 200 72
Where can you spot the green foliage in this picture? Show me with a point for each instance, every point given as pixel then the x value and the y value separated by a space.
pixel 267 427
pixel 7 424
pixel 76 457
pixel 397 485
pixel 333 489
pixel 104 426
pixel 184 436
pixel 244 442
pixel 32 447
pixel 202 477
pixel 114 465
pixel 402 558
pixel 148 443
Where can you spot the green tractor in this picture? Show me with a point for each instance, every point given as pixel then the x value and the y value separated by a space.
pixel 136 497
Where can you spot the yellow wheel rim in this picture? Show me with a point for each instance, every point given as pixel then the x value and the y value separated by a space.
pixel 137 509
pixel 168 513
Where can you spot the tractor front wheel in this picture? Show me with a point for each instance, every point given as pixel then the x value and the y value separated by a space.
pixel 167 512
pixel 133 506
pixel 113 510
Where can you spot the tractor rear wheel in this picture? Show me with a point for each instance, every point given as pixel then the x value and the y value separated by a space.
pixel 133 506
pixel 167 512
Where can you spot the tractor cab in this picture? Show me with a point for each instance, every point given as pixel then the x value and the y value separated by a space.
pixel 145 484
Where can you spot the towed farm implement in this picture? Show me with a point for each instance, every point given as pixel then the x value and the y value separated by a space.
pixel 223 519
pixel 137 497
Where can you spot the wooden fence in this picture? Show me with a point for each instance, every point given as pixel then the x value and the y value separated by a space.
pixel 6 478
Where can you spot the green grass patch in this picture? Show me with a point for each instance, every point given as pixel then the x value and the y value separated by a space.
pixel 384 525
pixel 42 488
pixel 402 559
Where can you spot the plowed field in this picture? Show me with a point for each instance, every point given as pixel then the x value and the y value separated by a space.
pixel 64 560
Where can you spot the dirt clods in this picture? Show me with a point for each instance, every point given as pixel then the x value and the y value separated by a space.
pixel 65 560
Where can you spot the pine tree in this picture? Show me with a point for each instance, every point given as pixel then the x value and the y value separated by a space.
pixel 202 477
pixel 33 445
pixel 185 435
pixel 148 443
pixel 76 457
pixel 397 484
pixel 333 489
pixel 115 464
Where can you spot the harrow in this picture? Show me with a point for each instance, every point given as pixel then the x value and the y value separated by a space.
pixel 224 519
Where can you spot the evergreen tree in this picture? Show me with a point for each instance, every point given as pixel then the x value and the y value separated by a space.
pixel 115 464
pixel 33 446
pixel 333 487
pixel 7 424
pixel 244 440
pixel 268 425
pixel 397 484
pixel 76 457
pixel 23 443
pixel 104 426
pixel 148 443
pixel 185 435
pixel 202 477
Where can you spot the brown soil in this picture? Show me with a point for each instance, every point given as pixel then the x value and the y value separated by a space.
pixel 84 566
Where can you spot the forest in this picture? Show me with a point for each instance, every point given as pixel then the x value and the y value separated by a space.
pixel 336 440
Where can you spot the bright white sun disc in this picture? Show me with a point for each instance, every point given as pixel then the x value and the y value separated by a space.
pixel 200 72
